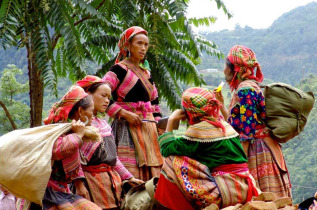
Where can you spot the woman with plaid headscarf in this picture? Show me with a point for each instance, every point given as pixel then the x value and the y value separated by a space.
pixel 207 165
pixel 135 106
pixel 76 107
pixel 247 116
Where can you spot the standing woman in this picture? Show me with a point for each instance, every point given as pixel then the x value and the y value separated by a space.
pixel 104 172
pixel 135 106
pixel 247 116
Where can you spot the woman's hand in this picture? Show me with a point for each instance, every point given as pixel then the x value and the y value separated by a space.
pixel 81 190
pixel 132 118
pixel 177 115
pixel 219 96
pixel 78 127
pixel 138 181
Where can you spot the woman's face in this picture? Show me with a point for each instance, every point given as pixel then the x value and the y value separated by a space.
pixel 88 112
pixel 101 98
pixel 228 74
pixel 138 46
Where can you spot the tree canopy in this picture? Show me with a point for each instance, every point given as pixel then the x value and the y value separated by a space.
pixel 70 38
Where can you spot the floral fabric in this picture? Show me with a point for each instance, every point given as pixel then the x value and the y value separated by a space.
pixel 249 113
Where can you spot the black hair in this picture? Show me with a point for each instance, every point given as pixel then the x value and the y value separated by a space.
pixel 84 103
pixel 229 64
pixel 92 88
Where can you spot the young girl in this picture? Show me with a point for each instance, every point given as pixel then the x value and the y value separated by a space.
pixel 207 165
pixel 104 172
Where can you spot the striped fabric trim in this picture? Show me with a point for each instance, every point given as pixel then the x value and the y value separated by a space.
pixel 113 109
pixel 65 146
pixel 121 170
pixel 205 132
pixel 88 148
pixel 111 79
pixel 128 82
pixel 143 75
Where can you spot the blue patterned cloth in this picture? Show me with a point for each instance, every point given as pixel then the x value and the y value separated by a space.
pixel 248 114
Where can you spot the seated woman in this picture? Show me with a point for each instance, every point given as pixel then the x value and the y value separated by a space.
pixel 207 165
pixel 76 107
pixel 104 172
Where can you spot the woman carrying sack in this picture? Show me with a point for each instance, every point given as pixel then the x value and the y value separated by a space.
pixel 104 172
pixel 76 107
pixel 207 165
pixel 247 116
pixel 135 106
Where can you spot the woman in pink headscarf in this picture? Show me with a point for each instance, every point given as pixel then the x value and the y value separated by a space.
pixel 246 115
pixel 135 106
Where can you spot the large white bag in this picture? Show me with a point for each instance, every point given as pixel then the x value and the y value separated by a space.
pixel 25 160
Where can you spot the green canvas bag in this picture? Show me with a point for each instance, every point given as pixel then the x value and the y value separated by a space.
pixel 287 110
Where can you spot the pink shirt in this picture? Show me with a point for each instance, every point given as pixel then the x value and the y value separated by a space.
pixel 7 202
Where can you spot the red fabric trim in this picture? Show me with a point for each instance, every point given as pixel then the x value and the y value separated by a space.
pixel 169 195
pixel 97 168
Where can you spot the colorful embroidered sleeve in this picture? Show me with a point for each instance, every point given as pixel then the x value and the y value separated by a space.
pixel 66 149
pixel 65 146
pixel 112 78
pixel 122 171
pixel 176 146
pixel 248 113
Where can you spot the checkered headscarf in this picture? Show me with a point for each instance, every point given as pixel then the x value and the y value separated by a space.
pixel 201 104
pixel 244 61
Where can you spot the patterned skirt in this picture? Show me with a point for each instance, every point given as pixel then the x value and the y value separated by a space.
pixel 187 184
pixel 104 185
pixel 138 148
pixel 267 165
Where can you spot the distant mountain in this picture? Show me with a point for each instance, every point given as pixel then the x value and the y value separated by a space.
pixel 282 50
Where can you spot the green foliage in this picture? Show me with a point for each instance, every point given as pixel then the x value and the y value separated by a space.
pixel 10 88
pixel 68 37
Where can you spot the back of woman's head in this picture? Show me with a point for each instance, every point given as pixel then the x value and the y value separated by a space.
pixel 83 103
pixel 244 63
pixel 201 104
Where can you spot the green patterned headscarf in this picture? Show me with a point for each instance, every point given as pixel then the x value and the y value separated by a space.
pixel 201 104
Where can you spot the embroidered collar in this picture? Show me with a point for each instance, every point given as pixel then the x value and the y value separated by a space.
pixel 206 132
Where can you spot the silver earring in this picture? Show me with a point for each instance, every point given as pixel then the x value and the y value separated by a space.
pixel 86 120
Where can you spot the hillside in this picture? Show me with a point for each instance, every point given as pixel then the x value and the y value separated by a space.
pixel 282 49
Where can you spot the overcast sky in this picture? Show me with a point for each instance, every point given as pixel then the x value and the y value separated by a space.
pixel 254 13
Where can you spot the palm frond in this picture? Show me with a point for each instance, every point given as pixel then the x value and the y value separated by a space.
pixel 10 13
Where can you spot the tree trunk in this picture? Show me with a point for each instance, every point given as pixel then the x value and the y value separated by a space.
pixel 8 115
pixel 36 87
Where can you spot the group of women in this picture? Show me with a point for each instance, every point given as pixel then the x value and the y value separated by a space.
pixel 208 165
